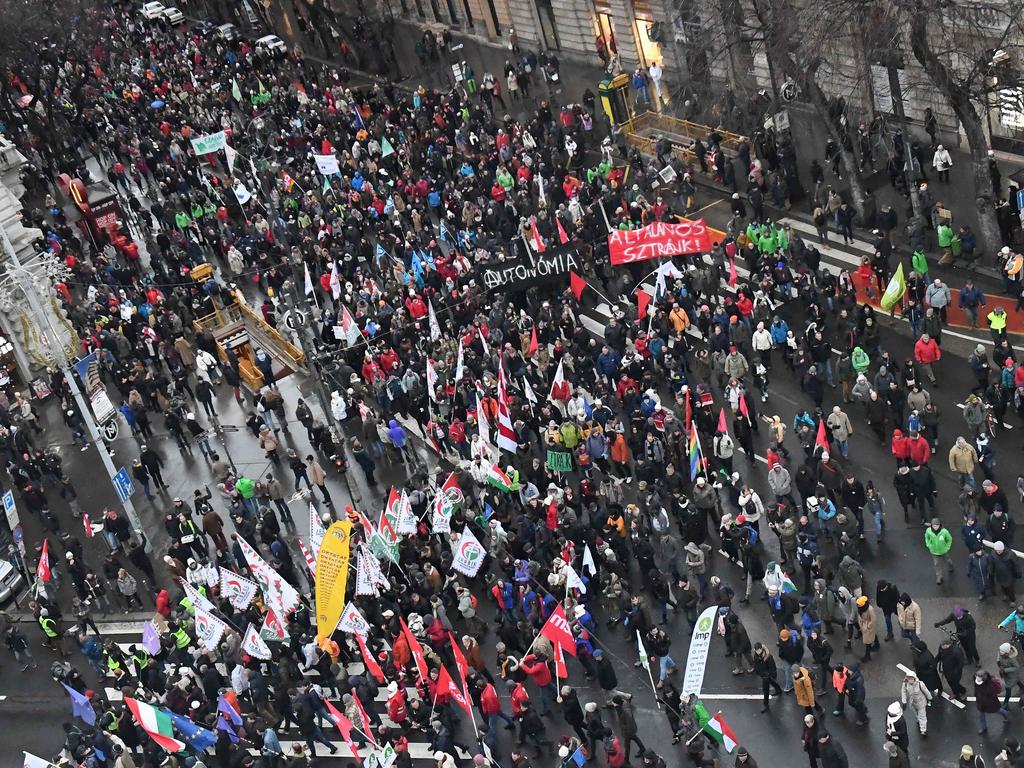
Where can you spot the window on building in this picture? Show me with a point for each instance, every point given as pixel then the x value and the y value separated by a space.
pixel 650 50
pixel 547 24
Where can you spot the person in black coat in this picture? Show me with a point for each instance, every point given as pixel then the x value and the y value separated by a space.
pixel 887 595
pixel 831 752
pixel 766 669
pixel 810 739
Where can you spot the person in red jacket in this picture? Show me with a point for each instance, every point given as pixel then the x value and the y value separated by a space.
pixel 490 706
pixel 398 710
pixel 536 666
pixel 918 449
pixel 926 353
pixel 520 698
pixel 900 449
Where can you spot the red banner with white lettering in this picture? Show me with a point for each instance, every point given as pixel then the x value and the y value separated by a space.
pixel 658 240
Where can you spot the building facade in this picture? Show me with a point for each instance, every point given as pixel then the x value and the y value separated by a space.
pixel 710 42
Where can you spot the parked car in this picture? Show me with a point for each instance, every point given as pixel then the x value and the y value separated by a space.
pixel 226 32
pixel 271 44
pixel 153 10
pixel 173 16
pixel 204 28
pixel 11 581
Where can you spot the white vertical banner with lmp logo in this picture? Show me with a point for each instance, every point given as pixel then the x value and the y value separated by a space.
pixel 700 643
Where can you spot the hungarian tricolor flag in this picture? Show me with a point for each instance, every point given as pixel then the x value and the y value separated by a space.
pixel 556 629
pixel 389 517
pixel 507 440
pixel 497 478
pixel 716 727
pixel 43 568
pixel 416 649
pixel 156 723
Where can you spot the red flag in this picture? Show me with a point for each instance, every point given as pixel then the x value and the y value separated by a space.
pixel 43 568
pixel 723 425
pixel 562 237
pixel 689 412
pixel 643 298
pixel 560 668
pixel 732 272
pixel 538 243
pixel 772 457
pixel 369 662
pixel 88 525
pixel 460 661
pixel 743 408
pixel 576 284
pixel 326 148
pixel 367 725
pixel 821 439
pixel 344 726
pixel 556 629
pixel 416 649
pixel 533 343
pixel 445 684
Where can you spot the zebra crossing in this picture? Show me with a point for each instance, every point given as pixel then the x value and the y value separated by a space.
pixel 836 259
pixel 128 634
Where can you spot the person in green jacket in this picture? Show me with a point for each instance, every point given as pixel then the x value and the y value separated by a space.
pixel 860 360
pixel 919 263
pixel 944 233
pixel 939 543
pixel 181 220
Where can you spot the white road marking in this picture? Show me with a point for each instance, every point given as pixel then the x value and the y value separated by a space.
pixel 946 696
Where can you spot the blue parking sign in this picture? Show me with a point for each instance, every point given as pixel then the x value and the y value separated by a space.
pixel 124 485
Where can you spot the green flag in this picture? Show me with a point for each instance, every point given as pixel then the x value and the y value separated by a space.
pixel 327 186
pixel 894 290
pixel 386 148
pixel 236 92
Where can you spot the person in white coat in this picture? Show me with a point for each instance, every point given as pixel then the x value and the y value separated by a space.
pixel 915 695
pixel 942 162
pixel 339 410
pixel 206 365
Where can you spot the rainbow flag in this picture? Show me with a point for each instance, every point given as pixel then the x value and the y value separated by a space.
pixel 694 452
pixel 289 182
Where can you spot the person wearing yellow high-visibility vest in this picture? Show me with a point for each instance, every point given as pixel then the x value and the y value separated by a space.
pixel 51 632
pixel 181 642
pixel 997 323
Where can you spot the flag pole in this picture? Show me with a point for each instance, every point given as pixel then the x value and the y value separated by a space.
pixel 701 729
pixel 647 663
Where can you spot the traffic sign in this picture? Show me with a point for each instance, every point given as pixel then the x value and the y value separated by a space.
pixel 1020 199
pixel 110 430
pixel 124 485
pixel 10 510
pixel 294 319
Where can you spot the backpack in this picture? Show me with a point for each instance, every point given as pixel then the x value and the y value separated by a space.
pixel 997 685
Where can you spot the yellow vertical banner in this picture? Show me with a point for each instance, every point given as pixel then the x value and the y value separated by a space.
pixel 331 578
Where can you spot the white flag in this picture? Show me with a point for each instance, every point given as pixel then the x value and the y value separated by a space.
pixel 239 590
pixel 435 327
pixel 588 560
pixel 468 554
pixel 197 598
pixel 209 629
pixel 353 622
pixel 528 391
pixel 349 330
pixel 335 281
pixel 441 513
pixel 459 365
pixel 406 523
pixel 431 380
pixel 327 164
pixel 316 531
pixel 31 761
pixel 374 569
pixel 487 350
pixel 667 269
pixel 242 193
pixel 573 580
pixel 254 645
pixel 364 578
pixel 308 281
pixel 230 153
pixel 279 595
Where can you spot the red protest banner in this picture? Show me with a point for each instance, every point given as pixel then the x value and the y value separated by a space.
pixel 658 240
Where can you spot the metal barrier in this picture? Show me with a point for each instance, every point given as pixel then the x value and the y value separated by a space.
pixel 674 126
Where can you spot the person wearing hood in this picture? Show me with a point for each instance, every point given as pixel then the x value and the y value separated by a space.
pixel 951 661
pixel 908 613
pixel 897 757
pixel 896 727
pixel 744 759
pixel 915 695
pixel 986 699
pixel 1008 663
pixel 831 752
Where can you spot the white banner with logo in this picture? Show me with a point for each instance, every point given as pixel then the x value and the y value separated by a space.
pixel 213 142
pixel 700 643
pixel 468 554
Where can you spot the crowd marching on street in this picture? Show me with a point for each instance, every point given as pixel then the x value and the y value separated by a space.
pixel 549 482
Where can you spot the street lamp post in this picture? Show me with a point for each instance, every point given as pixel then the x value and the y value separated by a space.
pixel 60 359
